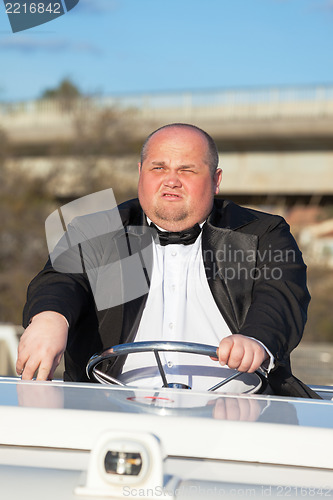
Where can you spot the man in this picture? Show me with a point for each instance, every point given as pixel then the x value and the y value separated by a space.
pixel 261 305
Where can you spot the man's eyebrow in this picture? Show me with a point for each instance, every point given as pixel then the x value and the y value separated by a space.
pixel 183 166
pixel 190 165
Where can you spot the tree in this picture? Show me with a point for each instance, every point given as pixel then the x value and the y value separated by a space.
pixel 65 90
pixel 66 93
pixel 25 202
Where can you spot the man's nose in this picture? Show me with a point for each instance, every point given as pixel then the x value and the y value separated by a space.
pixel 172 179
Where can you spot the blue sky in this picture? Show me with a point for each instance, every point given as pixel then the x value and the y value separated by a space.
pixel 136 46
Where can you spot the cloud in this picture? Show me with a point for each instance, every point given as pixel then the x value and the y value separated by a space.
pixel 85 47
pixel 323 5
pixel 329 4
pixel 97 6
pixel 29 44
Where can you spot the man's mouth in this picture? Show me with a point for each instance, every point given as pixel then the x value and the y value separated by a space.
pixel 171 196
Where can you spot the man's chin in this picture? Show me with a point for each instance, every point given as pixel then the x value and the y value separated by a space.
pixel 172 216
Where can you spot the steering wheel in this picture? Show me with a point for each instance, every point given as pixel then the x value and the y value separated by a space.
pixel 155 346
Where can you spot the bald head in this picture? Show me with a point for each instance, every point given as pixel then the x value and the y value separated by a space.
pixel 211 157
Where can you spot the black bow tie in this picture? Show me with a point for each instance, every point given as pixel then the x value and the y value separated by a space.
pixel 186 237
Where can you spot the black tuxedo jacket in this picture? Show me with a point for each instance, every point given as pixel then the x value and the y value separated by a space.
pixel 254 269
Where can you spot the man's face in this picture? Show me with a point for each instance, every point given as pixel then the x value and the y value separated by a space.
pixel 176 188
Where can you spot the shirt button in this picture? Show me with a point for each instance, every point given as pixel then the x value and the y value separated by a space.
pixel 170 364
pixel 173 253
pixel 173 287
pixel 171 326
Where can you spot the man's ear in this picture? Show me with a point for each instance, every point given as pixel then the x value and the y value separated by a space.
pixel 217 180
pixel 139 167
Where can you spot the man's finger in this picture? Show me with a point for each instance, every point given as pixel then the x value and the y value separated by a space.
pixel 56 363
pixel 19 372
pixel 247 361
pixel 21 360
pixel 29 369
pixel 236 356
pixel 217 355
pixel 19 367
pixel 258 359
pixel 44 371
pixel 224 350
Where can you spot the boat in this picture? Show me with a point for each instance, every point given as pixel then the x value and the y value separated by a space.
pixel 64 440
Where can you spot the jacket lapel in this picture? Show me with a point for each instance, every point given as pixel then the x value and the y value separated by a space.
pixel 127 258
pixel 140 250
pixel 138 240
pixel 230 259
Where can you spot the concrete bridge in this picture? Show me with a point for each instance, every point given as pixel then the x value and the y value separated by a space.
pixel 275 143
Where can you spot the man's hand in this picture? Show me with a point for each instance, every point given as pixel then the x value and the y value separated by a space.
pixel 42 346
pixel 241 353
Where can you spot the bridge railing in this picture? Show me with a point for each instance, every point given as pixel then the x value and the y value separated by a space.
pixel 223 103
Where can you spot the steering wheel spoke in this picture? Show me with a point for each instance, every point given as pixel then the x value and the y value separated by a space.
pixel 161 369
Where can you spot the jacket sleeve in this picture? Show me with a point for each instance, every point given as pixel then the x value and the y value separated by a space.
pixel 50 290
pixel 280 298
pixel 63 286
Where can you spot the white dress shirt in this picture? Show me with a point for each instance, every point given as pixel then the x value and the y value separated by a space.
pixel 179 307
